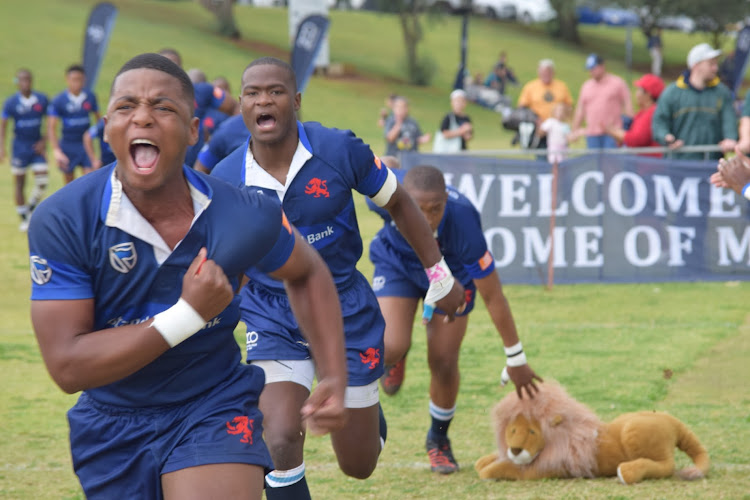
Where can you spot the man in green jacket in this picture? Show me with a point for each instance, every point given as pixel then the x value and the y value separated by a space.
pixel 697 108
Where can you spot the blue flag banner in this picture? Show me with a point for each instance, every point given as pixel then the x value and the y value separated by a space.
pixel 310 34
pixel 617 218
pixel 741 55
pixel 96 38
pixel 461 73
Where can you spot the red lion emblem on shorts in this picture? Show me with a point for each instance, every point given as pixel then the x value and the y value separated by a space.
pixel 371 356
pixel 317 187
pixel 242 425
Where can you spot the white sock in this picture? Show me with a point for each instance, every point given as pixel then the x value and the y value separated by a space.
pixel 281 478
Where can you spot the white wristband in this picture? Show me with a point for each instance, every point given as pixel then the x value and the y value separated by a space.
pixel 178 323
pixel 746 191
pixel 441 282
pixel 515 355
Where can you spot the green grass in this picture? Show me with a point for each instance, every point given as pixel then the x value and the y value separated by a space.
pixel 612 346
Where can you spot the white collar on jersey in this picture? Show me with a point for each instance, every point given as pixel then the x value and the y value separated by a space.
pixel 255 175
pixel 123 215
pixel 77 99
pixel 27 102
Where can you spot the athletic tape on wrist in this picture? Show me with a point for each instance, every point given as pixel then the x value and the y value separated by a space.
pixel 746 191
pixel 515 355
pixel 178 323
pixel 504 377
pixel 441 282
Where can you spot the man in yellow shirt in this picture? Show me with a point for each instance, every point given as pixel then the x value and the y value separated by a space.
pixel 542 94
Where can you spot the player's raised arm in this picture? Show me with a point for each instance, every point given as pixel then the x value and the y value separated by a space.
pixel 444 291
pixel 315 303
pixel 79 358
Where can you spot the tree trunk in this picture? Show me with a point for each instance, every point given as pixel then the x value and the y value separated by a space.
pixel 223 10
pixel 412 31
pixel 567 20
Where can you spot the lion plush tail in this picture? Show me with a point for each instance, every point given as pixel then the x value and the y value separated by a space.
pixel 688 442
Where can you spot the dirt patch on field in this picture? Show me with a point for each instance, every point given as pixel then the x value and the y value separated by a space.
pixel 721 376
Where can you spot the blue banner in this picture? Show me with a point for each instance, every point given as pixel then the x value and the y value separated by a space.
pixel 617 218
pixel 741 55
pixel 461 73
pixel 310 35
pixel 96 38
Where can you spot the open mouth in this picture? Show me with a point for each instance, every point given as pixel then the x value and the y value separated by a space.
pixel 265 121
pixel 145 155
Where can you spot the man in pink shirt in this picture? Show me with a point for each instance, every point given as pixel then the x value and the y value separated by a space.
pixel 602 101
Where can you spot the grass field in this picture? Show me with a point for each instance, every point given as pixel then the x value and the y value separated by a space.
pixel 678 347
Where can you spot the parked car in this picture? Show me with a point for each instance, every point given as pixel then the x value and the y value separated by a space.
pixel 534 11
pixel 612 16
pixel 680 23
pixel 495 9
pixel 526 11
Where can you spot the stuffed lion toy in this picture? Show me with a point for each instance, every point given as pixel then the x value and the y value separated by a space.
pixel 555 436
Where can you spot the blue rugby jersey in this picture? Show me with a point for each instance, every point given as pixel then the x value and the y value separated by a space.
pixel 318 200
pixel 459 235
pixel 73 112
pixel 96 131
pixel 88 241
pixel 230 135
pixel 206 97
pixel 27 114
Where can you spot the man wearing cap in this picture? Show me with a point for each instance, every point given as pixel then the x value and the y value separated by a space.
pixel 639 135
pixel 457 123
pixel 542 94
pixel 602 101
pixel 697 108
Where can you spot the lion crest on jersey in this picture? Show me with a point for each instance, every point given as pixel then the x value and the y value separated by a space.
pixel 242 425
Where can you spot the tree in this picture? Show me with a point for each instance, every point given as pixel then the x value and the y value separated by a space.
pixel 420 70
pixel 224 12
pixel 711 16
pixel 567 20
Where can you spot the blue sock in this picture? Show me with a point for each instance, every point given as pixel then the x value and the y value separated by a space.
pixel 287 484
pixel 441 420
pixel 383 426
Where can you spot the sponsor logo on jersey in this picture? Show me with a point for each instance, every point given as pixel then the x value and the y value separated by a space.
pixel 378 163
pixel 121 321
pixel 96 33
pixel 313 237
pixel 371 356
pixel 251 340
pixel 243 426
pixel 485 261
pixel 122 257
pixel 29 123
pixel 378 282
pixel 317 188
pixel 87 106
pixel 41 273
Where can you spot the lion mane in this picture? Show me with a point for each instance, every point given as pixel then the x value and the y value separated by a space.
pixel 571 445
